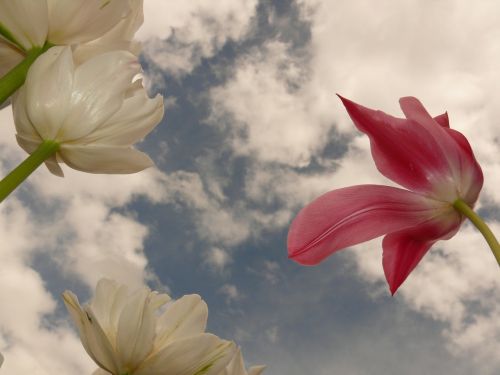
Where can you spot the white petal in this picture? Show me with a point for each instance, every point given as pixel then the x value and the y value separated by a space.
pixel 204 354
pixel 92 336
pixel 236 366
pixel 109 300
pixel 98 92
pixel 185 317
pixel 119 37
pixel 105 159
pixel 24 126
pixel 48 91
pixel 77 21
pixel 25 21
pixel 136 329
pixel 256 370
pixel 28 144
pixel 54 167
pixel 135 119
pixel 10 56
pixel 100 371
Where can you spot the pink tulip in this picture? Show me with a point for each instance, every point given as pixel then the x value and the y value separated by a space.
pixel 420 153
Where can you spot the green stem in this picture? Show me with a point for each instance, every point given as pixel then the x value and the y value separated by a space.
pixel 15 78
pixel 464 209
pixel 23 170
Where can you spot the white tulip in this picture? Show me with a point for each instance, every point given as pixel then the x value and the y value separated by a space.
pixel 31 23
pixel 90 26
pixel 237 367
pixel 93 111
pixel 128 334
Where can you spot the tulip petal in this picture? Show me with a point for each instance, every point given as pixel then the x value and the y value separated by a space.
pixel 185 317
pixel 135 119
pixel 348 216
pixel 201 354
pixel 24 22
pixel 10 56
pixel 415 152
pixel 107 305
pixel 48 91
pixel 136 329
pixel 77 21
pixel 24 126
pixel 443 120
pixel 256 370
pixel 104 159
pixel 119 37
pixel 99 89
pixel 92 336
pixel 404 249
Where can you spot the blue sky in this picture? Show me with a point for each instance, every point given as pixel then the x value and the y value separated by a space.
pixel 252 132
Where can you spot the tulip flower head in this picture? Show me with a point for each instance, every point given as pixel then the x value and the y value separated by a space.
pixel 131 334
pixel 437 166
pixel 29 27
pixel 93 111
pixel 28 24
pixel 237 367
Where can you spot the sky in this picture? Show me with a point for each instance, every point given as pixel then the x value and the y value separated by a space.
pixel 252 132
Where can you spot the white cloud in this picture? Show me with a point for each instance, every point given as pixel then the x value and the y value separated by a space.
pixel 197 29
pixel 217 259
pixel 231 293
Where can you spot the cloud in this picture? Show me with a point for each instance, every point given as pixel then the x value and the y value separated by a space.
pixel 179 34
pixel 218 259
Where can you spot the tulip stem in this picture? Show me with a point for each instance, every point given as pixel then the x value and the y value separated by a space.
pixel 23 170
pixel 478 222
pixel 15 78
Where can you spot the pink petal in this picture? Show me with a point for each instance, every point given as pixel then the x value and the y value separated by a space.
pixel 403 250
pixel 348 216
pixel 416 152
pixel 443 120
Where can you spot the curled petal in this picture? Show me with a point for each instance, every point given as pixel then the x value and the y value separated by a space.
pixel 404 249
pixel 104 159
pixel 352 215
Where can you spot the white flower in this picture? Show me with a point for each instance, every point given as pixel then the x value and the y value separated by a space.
pixel 30 23
pixel 93 111
pixel 125 335
pixel 237 367
pixel 90 26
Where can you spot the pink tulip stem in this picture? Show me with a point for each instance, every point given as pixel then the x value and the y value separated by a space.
pixel 478 222
pixel 23 170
